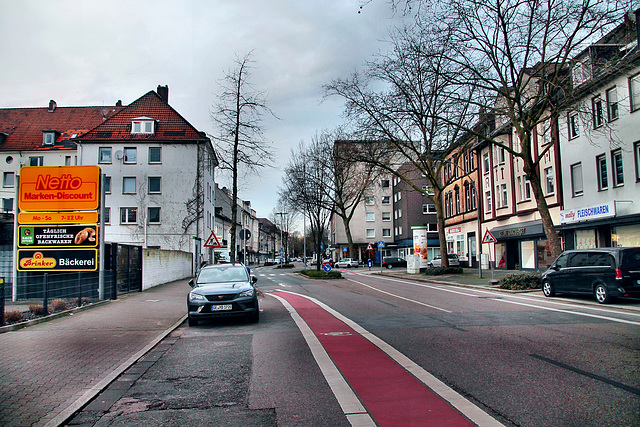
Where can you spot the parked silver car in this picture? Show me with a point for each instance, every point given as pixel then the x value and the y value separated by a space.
pixel 437 261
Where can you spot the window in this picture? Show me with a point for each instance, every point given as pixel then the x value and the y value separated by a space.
pixel 428 190
pixel 386 216
pixel 616 164
pixel 371 216
pixel 128 215
pixel 636 154
pixel 143 125
pixel 107 215
pixel 386 200
pixel 487 201
pixel 399 195
pixel 386 232
pixel 155 154
pixel 384 183
pixel 67 160
pixel 8 179
pixel 154 184
pixel 502 158
pixel 503 192
pixel 369 201
pixel 548 174
pixel 154 215
pixel 48 138
pixel 473 198
pixel 485 161
pixel 130 155
pixel 399 213
pixel 597 112
pixel 432 226
pixel 519 188
pixel 7 204
pixel 458 210
pixel 574 126
pixel 634 92
pixel 601 170
pixel 576 179
pixel 612 104
pixel 36 161
pixel 428 208
pixel 104 155
pixel 527 187
pixel 546 132
pixel 107 184
pixel 371 233
pixel 129 185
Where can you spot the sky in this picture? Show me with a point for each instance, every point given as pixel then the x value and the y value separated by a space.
pixel 86 53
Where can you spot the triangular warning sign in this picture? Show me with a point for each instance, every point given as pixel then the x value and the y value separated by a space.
pixel 212 241
pixel 488 237
pixel 369 248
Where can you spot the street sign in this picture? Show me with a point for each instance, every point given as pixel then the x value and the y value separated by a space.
pixel 369 262
pixel 212 241
pixel 370 247
pixel 282 260
pixel 488 237
pixel 381 244
pixel 245 234
pixel 326 267
pixel 58 217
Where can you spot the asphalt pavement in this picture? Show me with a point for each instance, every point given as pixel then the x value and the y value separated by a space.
pixel 52 369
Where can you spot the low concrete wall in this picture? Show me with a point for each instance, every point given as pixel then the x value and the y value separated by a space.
pixel 161 266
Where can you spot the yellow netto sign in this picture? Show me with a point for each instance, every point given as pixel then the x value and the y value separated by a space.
pixel 59 188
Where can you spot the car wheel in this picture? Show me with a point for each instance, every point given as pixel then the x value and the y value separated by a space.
pixel 601 294
pixel 547 289
pixel 389 266
pixel 192 321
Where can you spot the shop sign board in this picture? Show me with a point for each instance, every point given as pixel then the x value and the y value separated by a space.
pixel 59 188
pixel 58 236
pixel 58 217
pixel 57 259
pixel 602 210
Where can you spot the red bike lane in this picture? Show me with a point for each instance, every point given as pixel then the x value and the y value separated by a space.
pixel 392 396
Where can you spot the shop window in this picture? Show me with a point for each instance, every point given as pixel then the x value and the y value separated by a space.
pixel 576 179
pixel 601 170
pixel 528 254
pixel 618 171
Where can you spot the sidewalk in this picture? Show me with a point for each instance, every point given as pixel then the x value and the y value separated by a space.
pixel 49 370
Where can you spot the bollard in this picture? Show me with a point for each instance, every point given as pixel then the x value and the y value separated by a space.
pixel 45 299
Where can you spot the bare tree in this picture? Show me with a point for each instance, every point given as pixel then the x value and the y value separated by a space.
pixel 407 112
pixel 238 116
pixel 516 55
pixel 286 215
pixel 305 186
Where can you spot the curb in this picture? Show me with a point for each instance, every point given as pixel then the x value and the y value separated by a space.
pixel 49 317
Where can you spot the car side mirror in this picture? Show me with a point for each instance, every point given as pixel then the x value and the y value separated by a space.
pixel 192 283
pixel 254 279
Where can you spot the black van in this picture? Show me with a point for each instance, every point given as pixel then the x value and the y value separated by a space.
pixel 603 273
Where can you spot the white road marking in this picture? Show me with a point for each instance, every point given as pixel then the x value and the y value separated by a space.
pixel 349 402
pixel 399 297
pixel 446 288
pixel 466 407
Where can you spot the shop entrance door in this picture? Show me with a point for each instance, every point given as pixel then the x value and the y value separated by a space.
pixel 513 254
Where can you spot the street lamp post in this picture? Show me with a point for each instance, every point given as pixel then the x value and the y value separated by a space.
pixel 282 214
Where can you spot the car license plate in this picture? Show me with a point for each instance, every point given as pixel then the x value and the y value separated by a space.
pixel 221 307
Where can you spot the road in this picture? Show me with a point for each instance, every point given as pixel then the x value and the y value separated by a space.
pixel 340 352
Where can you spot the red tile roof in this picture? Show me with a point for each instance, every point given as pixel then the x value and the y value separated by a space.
pixel 24 126
pixel 170 125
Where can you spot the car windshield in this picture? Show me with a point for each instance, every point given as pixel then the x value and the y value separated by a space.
pixel 223 274
pixel 631 259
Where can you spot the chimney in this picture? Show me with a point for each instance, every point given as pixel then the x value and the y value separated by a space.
pixel 163 92
pixel 52 106
pixel 119 103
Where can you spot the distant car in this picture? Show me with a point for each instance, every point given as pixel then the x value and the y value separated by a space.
pixel 347 263
pixel 223 290
pixel 602 272
pixel 313 261
pixel 437 261
pixel 327 261
pixel 393 262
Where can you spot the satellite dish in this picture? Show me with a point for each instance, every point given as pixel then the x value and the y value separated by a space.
pixel 119 154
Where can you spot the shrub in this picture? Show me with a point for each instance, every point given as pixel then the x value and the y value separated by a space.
pixel 520 281
pixel 36 310
pixel 13 316
pixel 439 271
pixel 59 305
pixel 315 274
